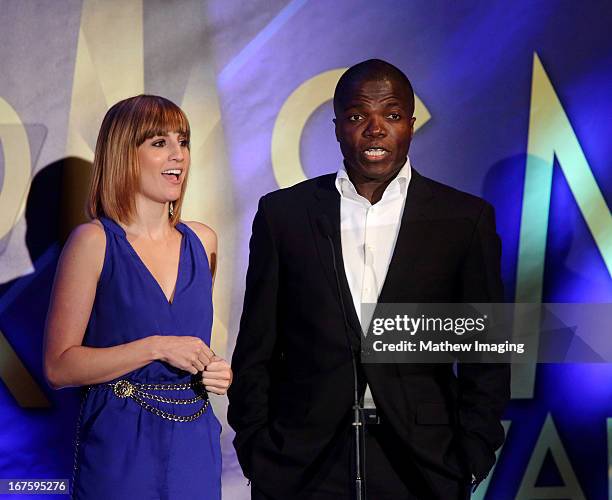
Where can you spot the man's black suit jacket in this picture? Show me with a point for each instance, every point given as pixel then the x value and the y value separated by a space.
pixel 293 383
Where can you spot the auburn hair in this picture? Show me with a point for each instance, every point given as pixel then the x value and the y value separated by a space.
pixel 115 175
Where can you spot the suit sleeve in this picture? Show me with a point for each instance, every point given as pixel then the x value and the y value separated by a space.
pixel 251 361
pixel 484 389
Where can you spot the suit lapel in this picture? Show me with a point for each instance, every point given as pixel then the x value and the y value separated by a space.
pixel 408 246
pixel 400 275
pixel 326 204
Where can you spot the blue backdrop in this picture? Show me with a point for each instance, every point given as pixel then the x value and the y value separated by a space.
pixel 514 105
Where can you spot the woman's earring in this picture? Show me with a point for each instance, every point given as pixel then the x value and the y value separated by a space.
pixel 171 210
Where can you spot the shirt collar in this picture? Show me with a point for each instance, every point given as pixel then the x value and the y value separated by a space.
pixel 346 188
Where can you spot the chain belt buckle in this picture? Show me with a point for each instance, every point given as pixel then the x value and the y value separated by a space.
pixel 123 389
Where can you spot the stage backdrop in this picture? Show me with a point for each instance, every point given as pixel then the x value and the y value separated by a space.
pixel 514 103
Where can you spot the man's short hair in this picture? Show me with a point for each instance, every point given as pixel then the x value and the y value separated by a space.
pixel 372 69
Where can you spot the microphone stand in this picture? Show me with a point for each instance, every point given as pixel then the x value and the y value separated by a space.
pixel 357 424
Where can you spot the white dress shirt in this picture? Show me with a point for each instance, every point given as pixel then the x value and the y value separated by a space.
pixel 368 234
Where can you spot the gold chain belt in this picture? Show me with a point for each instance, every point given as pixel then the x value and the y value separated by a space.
pixel 136 392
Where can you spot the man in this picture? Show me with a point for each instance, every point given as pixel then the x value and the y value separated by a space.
pixel 376 230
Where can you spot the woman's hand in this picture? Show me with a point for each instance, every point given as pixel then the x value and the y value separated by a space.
pixel 186 353
pixel 217 376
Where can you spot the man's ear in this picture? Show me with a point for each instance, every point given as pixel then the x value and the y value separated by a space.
pixel 412 120
pixel 336 128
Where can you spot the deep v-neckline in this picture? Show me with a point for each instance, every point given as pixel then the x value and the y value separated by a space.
pixel 172 299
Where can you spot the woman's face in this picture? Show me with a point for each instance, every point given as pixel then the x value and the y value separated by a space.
pixel 164 162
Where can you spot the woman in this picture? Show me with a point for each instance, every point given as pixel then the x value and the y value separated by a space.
pixel 131 314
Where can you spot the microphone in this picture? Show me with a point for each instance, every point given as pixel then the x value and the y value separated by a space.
pixel 325 228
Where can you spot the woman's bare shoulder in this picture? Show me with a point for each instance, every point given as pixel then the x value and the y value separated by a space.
pixel 207 235
pixel 86 244
pixel 89 234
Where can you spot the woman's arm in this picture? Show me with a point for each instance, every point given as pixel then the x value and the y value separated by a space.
pixel 66 361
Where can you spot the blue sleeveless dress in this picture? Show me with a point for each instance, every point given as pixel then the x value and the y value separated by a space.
pixel 125 450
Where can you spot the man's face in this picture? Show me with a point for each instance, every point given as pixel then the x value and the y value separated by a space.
pixel 374 126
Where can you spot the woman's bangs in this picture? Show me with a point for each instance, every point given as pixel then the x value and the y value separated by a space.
pixel 162 119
